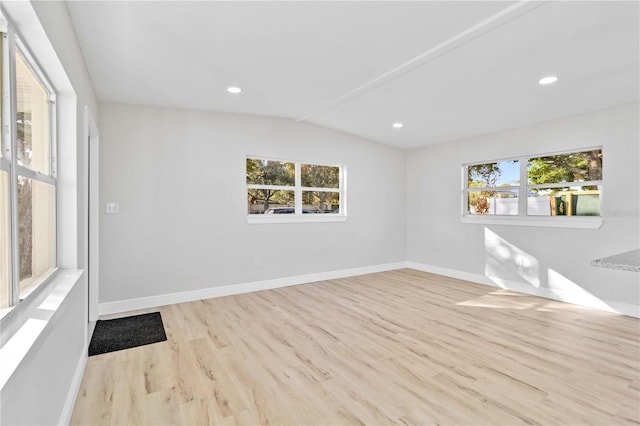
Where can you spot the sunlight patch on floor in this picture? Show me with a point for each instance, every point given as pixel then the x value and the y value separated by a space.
pixel 501 300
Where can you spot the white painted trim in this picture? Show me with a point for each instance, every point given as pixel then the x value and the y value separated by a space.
pixel 453 273
pixel 627 309
pixel 5 164
pixel 581 222
pixel 295 218
pixel 273 187
pixel 15 350
pixel 91 327
pixel 34 175
pixel 91 177
pixel 297 194
pixel 74 390
pixel 228 290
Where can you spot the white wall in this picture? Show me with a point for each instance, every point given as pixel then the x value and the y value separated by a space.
pixel 42 389
pixel 556 259
pixel 55 19
pixel 179 177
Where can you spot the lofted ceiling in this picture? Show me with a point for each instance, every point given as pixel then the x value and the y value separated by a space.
pixel 445 69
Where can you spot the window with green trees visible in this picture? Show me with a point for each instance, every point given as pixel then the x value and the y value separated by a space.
pixel 27 173
pixel 561 184
pixel 293 188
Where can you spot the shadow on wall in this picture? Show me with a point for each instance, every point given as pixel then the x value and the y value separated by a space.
pixel 505 260
pixel 510 267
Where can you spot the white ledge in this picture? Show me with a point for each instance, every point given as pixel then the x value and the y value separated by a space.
pixel 26 326
pixel 290 218
pixel 14 351
pixel 583 222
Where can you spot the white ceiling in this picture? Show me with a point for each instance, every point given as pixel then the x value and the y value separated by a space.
pixel 447 70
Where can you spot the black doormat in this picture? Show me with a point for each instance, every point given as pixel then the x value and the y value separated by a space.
pixel 129 332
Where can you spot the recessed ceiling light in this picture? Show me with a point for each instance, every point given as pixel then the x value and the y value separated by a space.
pixel 550 79
pixel 397 125
pixel 234 89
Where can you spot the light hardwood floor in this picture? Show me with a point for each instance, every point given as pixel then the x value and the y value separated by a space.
pixel 394 347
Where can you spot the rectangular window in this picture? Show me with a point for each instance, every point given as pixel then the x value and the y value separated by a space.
pixel 293 188
pixel 27 173
pixel 563 184
pixel 270 187
pixel 36 232
pixel 492 188
pixel 32 123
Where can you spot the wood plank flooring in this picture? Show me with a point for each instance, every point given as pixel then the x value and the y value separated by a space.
pixel 400 347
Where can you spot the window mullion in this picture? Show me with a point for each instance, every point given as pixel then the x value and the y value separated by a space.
pixel 523 191
pixel 32 174
pixel 53 116
pixel 5 143
pixel 342 173
pixel 298 188
pixel 272 187
pixel 319 189
pixel 566 184
pixel 494 188
pixel 464 206
pixel 13 183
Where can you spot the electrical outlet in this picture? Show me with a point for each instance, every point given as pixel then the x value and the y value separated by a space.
pixel 256 261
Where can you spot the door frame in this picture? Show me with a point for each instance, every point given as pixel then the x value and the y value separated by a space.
pixel 92 212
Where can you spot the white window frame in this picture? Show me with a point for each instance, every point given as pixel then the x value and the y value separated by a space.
pixel 523 219
pixel 298 216
pixel 12 44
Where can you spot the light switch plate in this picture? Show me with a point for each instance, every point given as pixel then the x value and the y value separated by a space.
pixel 113 208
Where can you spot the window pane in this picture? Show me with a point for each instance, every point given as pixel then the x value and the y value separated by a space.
pixel 267 172
pixel 34 139
pixel 573 167
pixel 569 201
pixel 320 176
pixel 500 173
pixel 5 241
pixel 320 202
pixel 492 203
pixel 3 34
pixel 36 231
pixel 269 201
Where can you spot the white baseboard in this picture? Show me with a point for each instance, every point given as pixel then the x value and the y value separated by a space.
pixel 74 389
pixel 229 290
pixel 91 327
pixel 581 299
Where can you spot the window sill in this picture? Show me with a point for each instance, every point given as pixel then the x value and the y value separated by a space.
pixel 307 218
pixel 31 321
pixel 30 285
pixel 582 222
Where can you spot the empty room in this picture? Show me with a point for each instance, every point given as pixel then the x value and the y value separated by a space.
pixel 320 212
